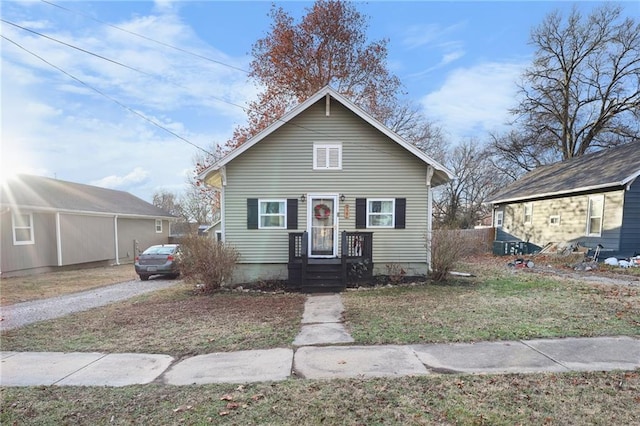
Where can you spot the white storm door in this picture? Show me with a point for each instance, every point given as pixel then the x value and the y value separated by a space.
pixel 323 225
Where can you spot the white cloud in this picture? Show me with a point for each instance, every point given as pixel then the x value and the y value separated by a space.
pixel 475 100
pixel 429 34
pixel 136 176
pixel 54 126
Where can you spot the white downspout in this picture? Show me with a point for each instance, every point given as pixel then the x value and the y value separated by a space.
pixel 115 238
pixel 58 239
pixel 430 171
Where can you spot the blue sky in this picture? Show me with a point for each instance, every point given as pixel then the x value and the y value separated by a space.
pixel 458 60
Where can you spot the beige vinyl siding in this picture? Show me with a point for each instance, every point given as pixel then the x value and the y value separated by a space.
pixel 80 235
pixel 573 219
pixel 139 234
pixel 40 254
pixel 281 166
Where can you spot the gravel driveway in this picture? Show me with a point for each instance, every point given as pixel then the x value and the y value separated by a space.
pixel 20 314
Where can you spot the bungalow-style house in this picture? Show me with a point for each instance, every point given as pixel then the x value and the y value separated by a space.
pixel 47 224
pixel 588 200
pixel 324 193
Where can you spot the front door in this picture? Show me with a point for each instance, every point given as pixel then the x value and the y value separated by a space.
pixel 323 225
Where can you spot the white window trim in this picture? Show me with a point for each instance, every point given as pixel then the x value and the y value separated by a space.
pixel 552 217
pixel 30 228
pixel 590 216
pixel 524 213
pixel 393 212
pixel 499 219
pixel 328 147
pixel 159 221
pixel 283 214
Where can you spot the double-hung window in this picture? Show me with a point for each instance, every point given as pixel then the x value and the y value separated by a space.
pixel 499 218
pixel 22 224
pixel 272 214
pixel 158 226
pixel 327 156
pixel 380 213
pixel 594 215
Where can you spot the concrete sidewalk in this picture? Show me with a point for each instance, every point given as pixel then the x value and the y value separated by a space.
pixel 321 362
pixel 316 356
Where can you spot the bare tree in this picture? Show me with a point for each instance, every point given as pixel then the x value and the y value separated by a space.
pixel 459 203
pixel 167 201
pixel 583 89
pixel 327 47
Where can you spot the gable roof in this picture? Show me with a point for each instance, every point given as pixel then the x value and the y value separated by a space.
pixel 45 194
pixel 608 168
pixel 441 173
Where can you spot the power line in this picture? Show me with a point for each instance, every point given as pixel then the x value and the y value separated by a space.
pixel 77 48
pixel 114 61
pixel 147 38
pixel 130 68
pixel 106 96
pixel 137 70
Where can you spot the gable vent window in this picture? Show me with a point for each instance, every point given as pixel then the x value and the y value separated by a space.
pixel 327 156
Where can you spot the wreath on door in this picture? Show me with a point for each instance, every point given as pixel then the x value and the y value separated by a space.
pixel 321 211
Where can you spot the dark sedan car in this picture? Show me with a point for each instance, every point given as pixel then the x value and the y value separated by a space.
pixel 158 260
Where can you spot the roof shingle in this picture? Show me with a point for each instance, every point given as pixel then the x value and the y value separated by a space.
pixel 35 192
pixel 612 167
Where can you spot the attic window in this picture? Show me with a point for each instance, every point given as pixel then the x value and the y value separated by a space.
pixel 22 228
pixel 327 156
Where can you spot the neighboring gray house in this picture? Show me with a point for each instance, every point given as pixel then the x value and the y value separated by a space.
pixel 324 192
pixel 47 224
pixel 590 200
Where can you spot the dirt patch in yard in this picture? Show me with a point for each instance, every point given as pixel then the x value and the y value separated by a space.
pixel 554 266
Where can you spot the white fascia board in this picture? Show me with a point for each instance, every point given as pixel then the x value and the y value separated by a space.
pixel 631 177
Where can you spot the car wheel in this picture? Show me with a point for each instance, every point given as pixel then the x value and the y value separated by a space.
pixel 144 277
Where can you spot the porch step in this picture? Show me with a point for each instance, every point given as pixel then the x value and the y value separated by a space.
pixel 323 276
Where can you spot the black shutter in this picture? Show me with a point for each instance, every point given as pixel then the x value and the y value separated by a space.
pixel 252 213
pixel 292 213
pixel 401 212
pixel 361 213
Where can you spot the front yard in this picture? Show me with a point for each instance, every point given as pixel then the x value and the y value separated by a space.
pixel 497 304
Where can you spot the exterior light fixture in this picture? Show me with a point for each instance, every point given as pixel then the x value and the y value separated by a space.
pixel 303 198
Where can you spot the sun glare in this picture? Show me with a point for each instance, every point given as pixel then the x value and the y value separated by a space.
pixel 13 162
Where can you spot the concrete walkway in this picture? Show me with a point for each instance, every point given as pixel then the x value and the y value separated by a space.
pixel 314 359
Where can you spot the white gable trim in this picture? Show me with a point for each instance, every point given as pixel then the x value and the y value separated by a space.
pixel 326 92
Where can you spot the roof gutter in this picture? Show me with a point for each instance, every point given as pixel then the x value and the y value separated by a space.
pixel 90 213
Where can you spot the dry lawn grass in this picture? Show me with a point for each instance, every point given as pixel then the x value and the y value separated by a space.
pixel 603 398
pixel 50 284
pixel 497 304
pixel 175 321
